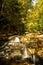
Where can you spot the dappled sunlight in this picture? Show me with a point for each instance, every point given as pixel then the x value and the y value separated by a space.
pixel 21 32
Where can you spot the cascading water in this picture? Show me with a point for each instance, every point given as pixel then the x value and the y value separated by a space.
pixel 25 53
pixel 16 39
pixel 33 59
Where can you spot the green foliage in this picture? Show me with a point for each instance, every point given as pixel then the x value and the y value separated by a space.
pixel 34 18
pixel 23 16
pixel 15 11
pixel 40 3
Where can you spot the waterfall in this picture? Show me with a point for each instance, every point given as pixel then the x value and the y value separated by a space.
pixel 33 59
pixel 25 53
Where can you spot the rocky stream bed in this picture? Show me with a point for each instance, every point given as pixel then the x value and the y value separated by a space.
pixel 22 50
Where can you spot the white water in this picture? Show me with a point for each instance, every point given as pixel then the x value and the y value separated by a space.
pixel 41 35
pixel 33 59
pixel 16 39
pixel 25 53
